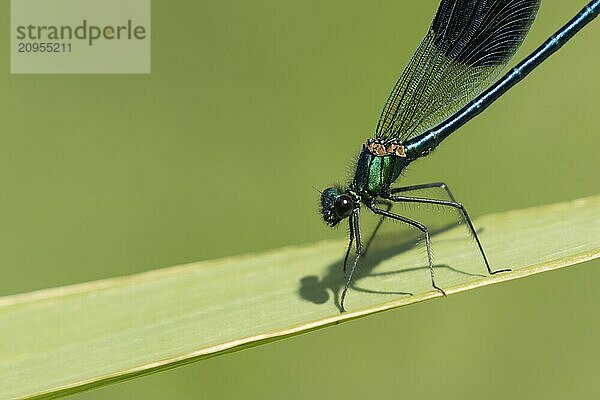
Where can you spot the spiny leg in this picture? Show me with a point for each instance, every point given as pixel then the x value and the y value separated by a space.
pixel 420 227
pixel 388 205
pixel 453 203
pixel 440 185
pixel 356 229
pixel 351 223
pixel 437 185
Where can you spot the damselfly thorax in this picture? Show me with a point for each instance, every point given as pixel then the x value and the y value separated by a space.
pixel 379 165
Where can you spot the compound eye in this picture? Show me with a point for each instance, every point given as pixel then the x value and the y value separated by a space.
pixel 343 206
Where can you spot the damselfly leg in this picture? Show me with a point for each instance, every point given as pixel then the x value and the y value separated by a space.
pixel 389 205
pixel 452 203
pixel 355 231
pixel 420 227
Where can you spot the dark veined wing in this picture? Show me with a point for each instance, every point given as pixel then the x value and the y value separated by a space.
pixel 467 46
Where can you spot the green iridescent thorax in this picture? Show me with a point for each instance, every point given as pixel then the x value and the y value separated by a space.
pixel 374 174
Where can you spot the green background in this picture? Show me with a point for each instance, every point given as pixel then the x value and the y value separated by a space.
pixel 251 107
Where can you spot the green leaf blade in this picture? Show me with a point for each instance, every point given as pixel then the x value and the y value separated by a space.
pixel 58 341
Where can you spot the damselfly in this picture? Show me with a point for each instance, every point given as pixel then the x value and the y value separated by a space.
pixel 446 83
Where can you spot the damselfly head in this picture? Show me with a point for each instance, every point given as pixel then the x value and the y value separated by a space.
pixel 336 205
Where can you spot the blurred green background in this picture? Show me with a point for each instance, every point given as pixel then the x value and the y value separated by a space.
pixel 250 107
